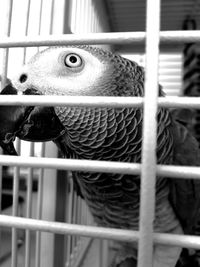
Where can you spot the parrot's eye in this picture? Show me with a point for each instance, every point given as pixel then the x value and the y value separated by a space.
pixel 73 61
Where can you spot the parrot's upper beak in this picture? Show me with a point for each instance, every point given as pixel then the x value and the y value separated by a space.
pixel 28 123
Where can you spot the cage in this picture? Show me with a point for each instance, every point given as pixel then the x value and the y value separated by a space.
pixel 43 221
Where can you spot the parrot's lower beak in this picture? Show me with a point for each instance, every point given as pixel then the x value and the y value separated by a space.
pixel 28 123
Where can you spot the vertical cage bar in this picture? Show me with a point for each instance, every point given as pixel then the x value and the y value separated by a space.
pixel 39 209
pixel 72 12
pixel 77 239
pixel 69 219
pixel 14 213
pixel 40 19
pixel 75 10
pixel 94 17
pixel 6 50
pixel 77 16
pixel 148 172
pixel 15 209
pixel 52 17
pixel 87 17
pixel 40 178
pixel 81 16
pixel 90 16
pixel 26 27
pixel 79 216
pixel 74 221
pixel 5 65
pixel 105 255
pixel 30 170
pixel 101 243
pixel 29 210
pixel 76 216
pixel 48 209
pixel 84 11
pixel 4 75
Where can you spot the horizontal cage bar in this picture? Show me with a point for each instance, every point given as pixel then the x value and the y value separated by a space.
pixel 170 171
pixel 97 232
pixel 99 38
pixel 97 101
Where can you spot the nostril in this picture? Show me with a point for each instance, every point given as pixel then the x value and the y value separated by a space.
pixel 23 78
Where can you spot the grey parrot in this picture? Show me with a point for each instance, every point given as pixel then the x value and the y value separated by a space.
pixel 109 134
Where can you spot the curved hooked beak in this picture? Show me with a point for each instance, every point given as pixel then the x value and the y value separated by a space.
pixel 26 122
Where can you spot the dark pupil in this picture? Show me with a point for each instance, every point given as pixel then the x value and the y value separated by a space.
pixel 73 59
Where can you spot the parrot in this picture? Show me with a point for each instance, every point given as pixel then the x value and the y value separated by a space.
pixel 108 134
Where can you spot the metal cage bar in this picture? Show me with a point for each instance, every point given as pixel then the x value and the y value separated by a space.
pixel 114 102
pixel 39 210
pixel 26 27
pixel 149 141
pixel 3 78
pixel 29 210
pixel 167 37
pixel 187 241
pixel 15 210
pixel 5 64
pixel 8 11
pixel 170 171
pixel 6 51
pixel 69 220
pixel 40 178
pixel 30 170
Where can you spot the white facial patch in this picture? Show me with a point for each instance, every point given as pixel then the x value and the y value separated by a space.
pixel 48 73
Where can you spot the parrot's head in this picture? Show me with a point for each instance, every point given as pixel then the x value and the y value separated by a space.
pixel 67 71
pixel 80 71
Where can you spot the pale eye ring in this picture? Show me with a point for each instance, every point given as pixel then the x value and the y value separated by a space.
pixel 73 61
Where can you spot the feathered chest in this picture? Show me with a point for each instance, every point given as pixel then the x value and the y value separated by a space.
pixel 111 134
pixel 103 134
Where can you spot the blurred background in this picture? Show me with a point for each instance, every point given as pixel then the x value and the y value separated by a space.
pixel 49 194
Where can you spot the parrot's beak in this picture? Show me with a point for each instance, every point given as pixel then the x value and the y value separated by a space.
pixel 28 123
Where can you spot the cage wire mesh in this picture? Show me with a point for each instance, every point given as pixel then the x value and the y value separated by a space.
pixel 36 196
